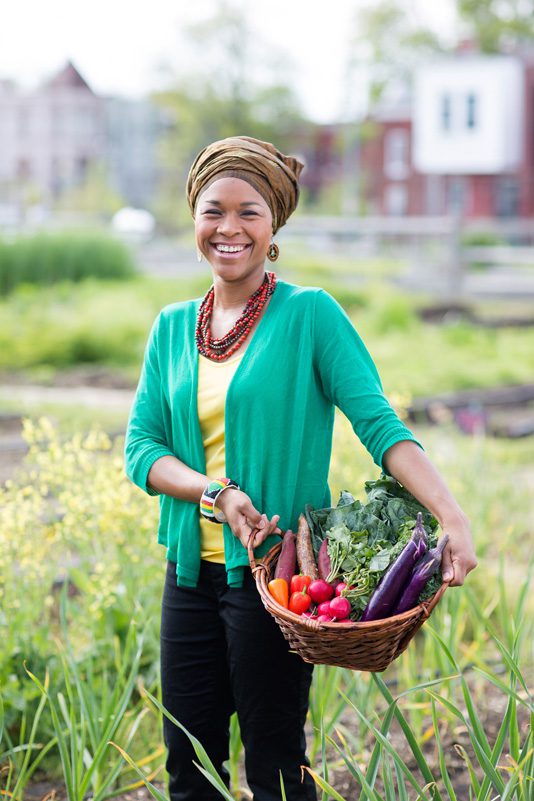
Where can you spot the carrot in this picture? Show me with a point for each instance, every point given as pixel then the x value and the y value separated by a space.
pixel 305 557
pixel 279 589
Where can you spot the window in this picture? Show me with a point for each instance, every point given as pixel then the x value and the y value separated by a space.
pixel 507 197
pixel 446 112
pixel 24 169
pixel 396 200
pixel 396 153
pixel 456 195
pixel 471 110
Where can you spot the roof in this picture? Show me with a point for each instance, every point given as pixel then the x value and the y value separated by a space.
pixel 67 77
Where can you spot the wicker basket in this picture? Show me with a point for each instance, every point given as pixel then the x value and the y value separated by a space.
pixel 359 646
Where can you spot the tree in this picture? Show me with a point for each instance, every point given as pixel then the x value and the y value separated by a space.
pixel 389 41
pixel 233 90
pixel 498 25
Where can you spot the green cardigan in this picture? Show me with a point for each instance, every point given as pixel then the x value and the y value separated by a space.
pixel 304 358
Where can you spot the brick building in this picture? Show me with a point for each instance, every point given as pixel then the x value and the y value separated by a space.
pixel 465 143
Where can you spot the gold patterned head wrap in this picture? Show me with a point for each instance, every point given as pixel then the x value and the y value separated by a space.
pixel 273 175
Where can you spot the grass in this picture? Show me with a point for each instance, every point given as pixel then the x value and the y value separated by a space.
pixel 71 520
pixel 97 323
pixel 46 259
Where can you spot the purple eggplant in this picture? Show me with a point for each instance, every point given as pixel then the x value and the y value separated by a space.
pixel 422 572
pixel 383 600
pixel 419 527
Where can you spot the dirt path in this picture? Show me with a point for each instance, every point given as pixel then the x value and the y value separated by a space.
pixel 31 397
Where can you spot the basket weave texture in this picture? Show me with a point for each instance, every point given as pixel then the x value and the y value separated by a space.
pixel 370 646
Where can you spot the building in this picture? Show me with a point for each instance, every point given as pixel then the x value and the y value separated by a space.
pixel 464 145
pixel 52 136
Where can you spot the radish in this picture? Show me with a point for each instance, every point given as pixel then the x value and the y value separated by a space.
pixel 319 591
pixel 324 608
pixel 339 608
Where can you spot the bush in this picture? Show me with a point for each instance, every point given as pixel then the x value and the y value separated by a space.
pixel 50 258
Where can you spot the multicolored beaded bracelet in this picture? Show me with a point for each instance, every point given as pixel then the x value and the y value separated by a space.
pixel 209 499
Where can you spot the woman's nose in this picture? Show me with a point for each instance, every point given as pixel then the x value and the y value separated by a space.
pixel 229 225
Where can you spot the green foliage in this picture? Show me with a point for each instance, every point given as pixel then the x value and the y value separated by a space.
pixel 94 322
pixel 237 87
pixel 46 259
pixel 498 25
pixel 108 323
pixel 71 523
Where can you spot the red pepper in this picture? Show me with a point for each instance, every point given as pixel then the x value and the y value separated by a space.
pixel 299 583
pixel 299 602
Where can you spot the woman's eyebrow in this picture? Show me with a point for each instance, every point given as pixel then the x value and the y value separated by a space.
pixel 245 203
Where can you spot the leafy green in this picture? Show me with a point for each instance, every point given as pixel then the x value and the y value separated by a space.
pixel 365 538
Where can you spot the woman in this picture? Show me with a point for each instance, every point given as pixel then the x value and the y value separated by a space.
pixel 232 422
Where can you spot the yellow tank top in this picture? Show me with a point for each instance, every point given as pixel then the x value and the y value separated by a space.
pixel 213 382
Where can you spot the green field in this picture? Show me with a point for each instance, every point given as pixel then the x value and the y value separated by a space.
pixel 82 574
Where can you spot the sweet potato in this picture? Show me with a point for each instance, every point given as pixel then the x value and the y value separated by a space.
pixel 305 557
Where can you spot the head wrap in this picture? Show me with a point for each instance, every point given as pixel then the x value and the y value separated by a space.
pixel 273 175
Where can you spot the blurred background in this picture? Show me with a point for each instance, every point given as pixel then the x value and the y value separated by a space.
pixel 416 124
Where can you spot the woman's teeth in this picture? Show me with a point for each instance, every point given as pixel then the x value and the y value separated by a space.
pixel 230 248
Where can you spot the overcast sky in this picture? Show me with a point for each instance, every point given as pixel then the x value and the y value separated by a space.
pixel 120 46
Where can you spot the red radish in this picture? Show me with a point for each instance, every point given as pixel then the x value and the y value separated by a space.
pixel 319 590
pixel 339 608
pixel 324 608
pixel 340 587
pixel 324 619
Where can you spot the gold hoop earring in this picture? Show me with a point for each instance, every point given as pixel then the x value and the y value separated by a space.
pixel 199 256
pixel 273 252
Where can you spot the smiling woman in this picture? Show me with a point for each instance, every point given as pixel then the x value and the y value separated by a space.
pixel 233 228
pixel 232 424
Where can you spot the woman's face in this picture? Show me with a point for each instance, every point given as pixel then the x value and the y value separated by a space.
pixel 233 228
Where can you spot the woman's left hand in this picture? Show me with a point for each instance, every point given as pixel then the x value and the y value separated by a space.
pixel 459 555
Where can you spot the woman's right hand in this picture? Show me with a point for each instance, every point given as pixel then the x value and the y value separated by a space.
pixel 242 517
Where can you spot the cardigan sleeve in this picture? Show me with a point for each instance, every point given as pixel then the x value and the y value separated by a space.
pixel 351 381
pixel 146 439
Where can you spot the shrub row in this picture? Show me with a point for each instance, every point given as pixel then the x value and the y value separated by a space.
pixel 49 258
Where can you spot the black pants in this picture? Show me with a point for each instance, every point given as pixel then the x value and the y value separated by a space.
pixel 222 652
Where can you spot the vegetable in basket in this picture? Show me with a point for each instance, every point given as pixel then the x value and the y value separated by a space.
pixel 299 583
pixel 425 568
pixel 280 591
pixel 287 561
pixel 383 600
pixel 364 539
pixel 305 556
pixel 299 602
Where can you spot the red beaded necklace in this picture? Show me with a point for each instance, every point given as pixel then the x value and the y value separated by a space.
pixel 220 349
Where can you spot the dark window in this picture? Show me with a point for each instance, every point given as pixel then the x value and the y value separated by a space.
pixel 507 197
pixel 24 169
pixel 446 112
pixel 471 110
pixel 456 195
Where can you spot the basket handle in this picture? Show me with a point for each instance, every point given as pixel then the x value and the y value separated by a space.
pixel 251 558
